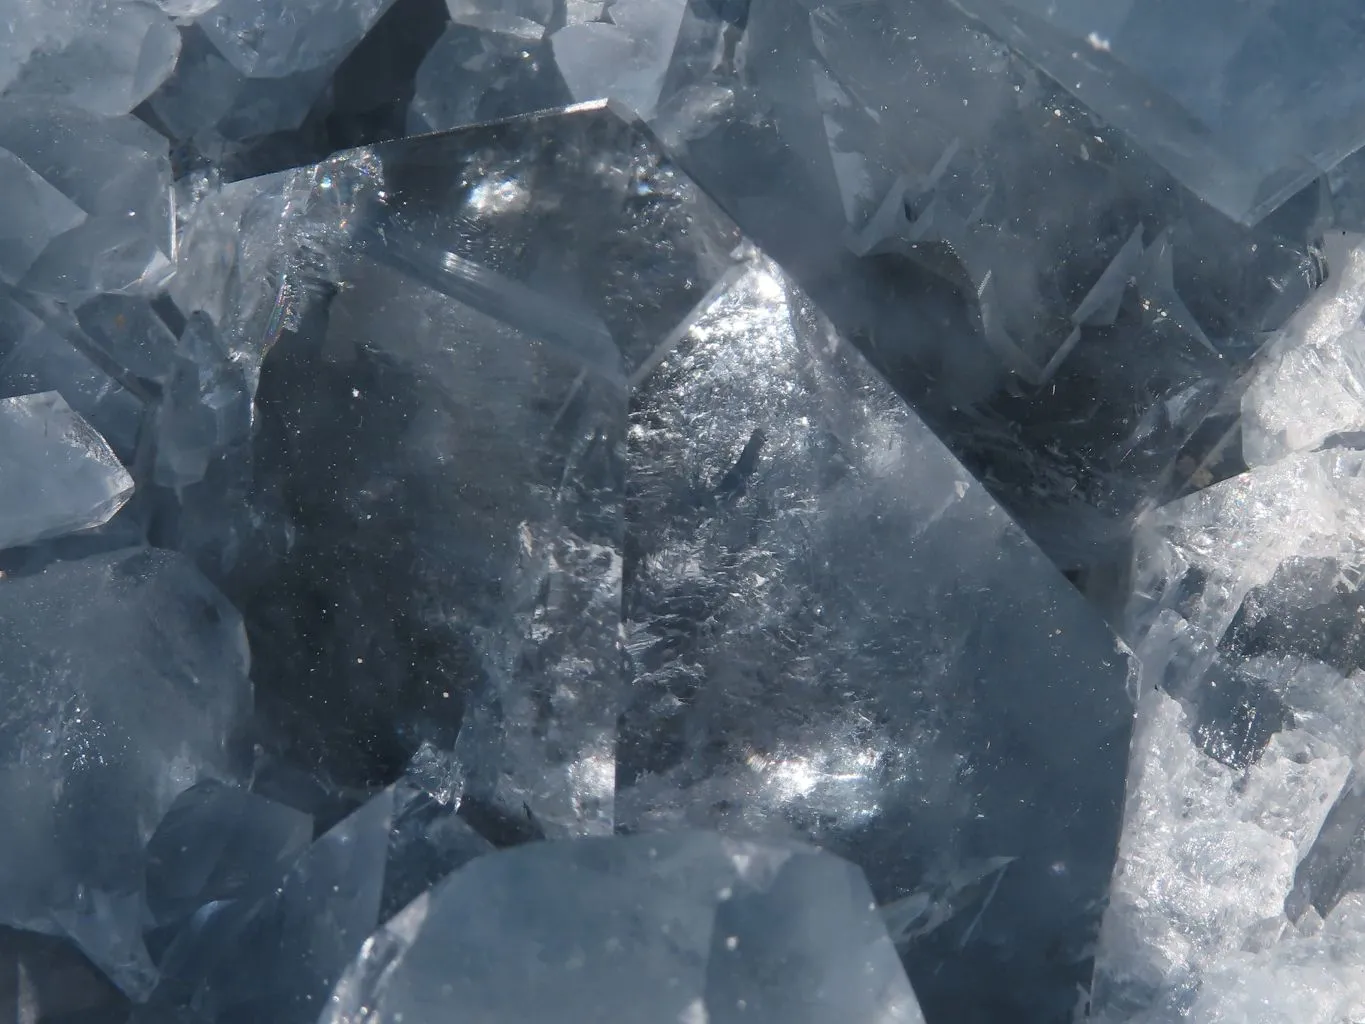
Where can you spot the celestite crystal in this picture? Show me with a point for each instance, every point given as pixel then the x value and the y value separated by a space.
pixel 1245 103
pixel 56 473
pixel 682 928
pixel 124 678
pixel 735 425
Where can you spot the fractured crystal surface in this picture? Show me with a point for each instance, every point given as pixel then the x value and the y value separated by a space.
pixel 473 489
pixel 1052 303
pixel 688 927
pixel 102 727
pixel 1310 384
pixel 58 474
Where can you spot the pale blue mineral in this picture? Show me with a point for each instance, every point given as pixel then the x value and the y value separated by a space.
pixel 681 929
pixel 125 678
pixel 516 378
pixel 56 473
pixel 103 221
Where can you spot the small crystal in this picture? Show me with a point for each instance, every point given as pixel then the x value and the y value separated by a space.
pixel 121 52
pixel 58 474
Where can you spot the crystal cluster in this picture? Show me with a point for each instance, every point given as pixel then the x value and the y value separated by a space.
pixel 687 511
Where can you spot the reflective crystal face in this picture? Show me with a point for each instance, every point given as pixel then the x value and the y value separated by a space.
pixel 1245 103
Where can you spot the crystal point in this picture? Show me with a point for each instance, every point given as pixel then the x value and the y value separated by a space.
pixel 59 475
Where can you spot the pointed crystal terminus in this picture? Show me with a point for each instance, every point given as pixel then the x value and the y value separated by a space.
pixel 59 475
pixel 833 633
pixel 679 928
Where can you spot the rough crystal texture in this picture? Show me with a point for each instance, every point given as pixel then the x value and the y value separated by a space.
pixel 1310 384
pixel 100 728
pixel 1242 799
pixel 1052 303
pixel 689 927
pixel 57 473
pixel 1244 103
pixel 473 487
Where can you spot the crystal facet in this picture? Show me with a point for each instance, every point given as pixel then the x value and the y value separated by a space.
pixel 100 728
pixel 58 475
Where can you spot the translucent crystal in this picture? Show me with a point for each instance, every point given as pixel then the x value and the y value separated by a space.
pixel 1048 298
pixel 35 214
pixel 274 958
pixel 205 409
pixel 264 40
pixel 805 617
pixel 1245 104
pixel 424 311
pixel 58 474
pixel 625 58
pixel 129 332
pixel 278 919
pixel 688 927
pixel 103 727
pixel 218 842
pixel 447 425
pixel 252 68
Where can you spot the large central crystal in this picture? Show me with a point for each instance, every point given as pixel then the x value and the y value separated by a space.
pixel 555 446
